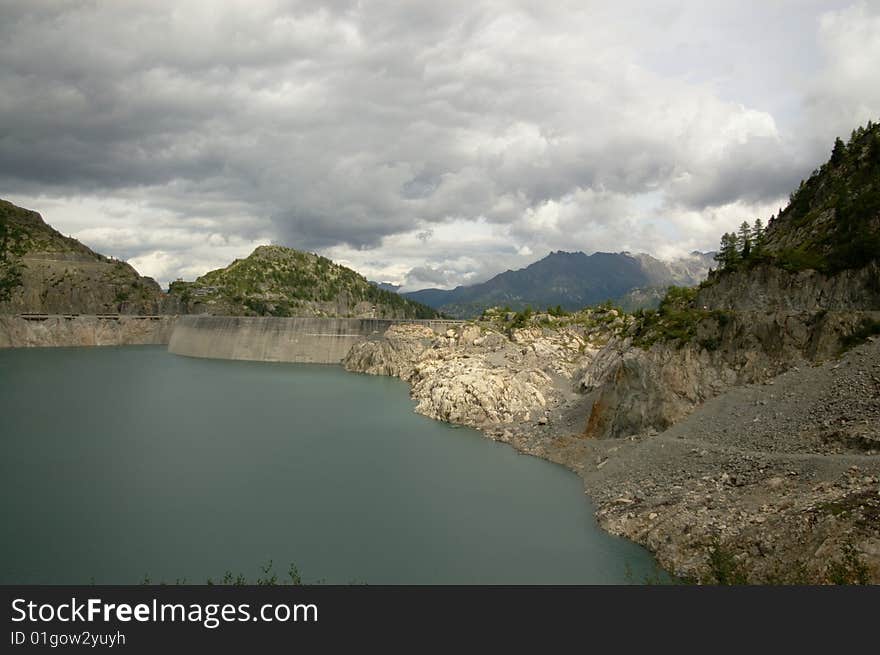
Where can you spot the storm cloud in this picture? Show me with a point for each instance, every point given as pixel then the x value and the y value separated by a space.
pixel 421 143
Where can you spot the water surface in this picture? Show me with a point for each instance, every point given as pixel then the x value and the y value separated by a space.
pixel 116 463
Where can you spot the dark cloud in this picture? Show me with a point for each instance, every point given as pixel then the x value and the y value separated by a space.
pixel 757 171
pixel 342 126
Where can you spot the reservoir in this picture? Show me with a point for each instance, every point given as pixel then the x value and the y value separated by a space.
pixel 118 464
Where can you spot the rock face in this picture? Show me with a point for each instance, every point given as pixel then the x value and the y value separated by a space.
pixel 769 288
pixel 640 390
pixel 17 332
pixel 475 375
pixel 59 275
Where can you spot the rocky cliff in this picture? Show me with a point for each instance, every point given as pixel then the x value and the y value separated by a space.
pixel 774 482
pixel 495 375
pixel 475 375
pixel 766 287
pixel 784 296
pixel 821 251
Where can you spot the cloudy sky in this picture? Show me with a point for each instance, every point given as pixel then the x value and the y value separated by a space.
pixel 424 143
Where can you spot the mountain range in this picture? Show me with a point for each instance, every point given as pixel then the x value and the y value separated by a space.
pixel 572 280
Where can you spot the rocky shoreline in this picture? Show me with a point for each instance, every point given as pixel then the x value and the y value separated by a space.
pixel 760 470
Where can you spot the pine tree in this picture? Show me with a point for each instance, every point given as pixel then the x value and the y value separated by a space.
pixel 839 151
pixel 757 238
pixel 744 240
pixel 727 255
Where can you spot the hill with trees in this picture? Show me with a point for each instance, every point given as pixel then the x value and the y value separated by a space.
pixel 280 281
pixel 820 252
pixel 831 223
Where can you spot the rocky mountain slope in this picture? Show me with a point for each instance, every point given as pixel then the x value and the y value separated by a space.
pixel 571 280
pixel 279 281
pixel 47 272
pixel 832 222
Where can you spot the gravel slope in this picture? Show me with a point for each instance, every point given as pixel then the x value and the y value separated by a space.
pixel 783 474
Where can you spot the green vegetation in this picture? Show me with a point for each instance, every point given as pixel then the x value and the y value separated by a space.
pixel 11 249
pixel 744 247
pixel 521 319
pixel 278 281
pixel 677 320
pixel 641 298
pixel 849 569
pixel 267 578
pixel 601 320
pixel 723 567
pixel 832 221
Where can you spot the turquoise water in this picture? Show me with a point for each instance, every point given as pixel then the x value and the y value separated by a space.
pixel 121 463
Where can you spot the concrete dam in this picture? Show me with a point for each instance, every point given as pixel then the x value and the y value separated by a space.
pixel 270 339
pixel 75 330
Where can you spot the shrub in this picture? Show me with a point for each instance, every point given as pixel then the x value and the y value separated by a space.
pixel 849 569
pixel 724 568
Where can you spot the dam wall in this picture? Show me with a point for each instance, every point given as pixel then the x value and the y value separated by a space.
pixel 270 339
pixel 47 330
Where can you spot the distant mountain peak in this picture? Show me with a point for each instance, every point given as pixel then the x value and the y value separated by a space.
pixel 570 279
